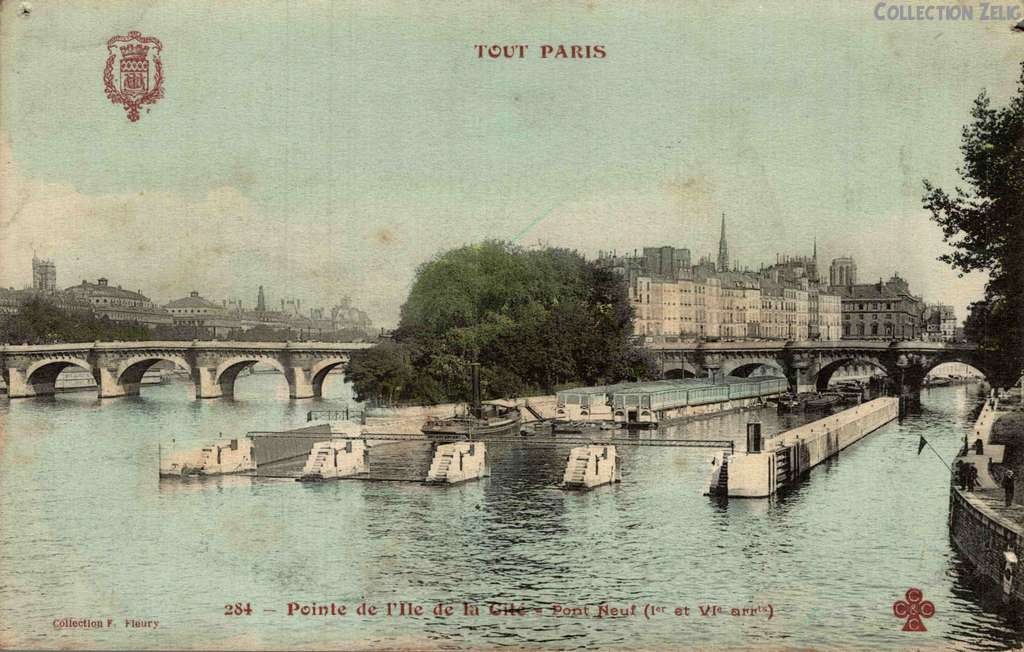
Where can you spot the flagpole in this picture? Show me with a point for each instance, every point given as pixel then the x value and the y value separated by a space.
pixel 927 443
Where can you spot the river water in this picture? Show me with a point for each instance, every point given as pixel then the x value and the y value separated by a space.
pixel 89 532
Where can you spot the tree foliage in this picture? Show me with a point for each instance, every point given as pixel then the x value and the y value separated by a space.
pixel 40 322
pixel 534 319
pixel 985 226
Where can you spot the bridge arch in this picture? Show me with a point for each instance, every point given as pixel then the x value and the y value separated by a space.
pixel 677 373
pixel 743 367
pixel 44 373
pixel 745 370
pixel 969 360
pixel 227 371
pixel 318 372
pixel 129 372
pixel 824 373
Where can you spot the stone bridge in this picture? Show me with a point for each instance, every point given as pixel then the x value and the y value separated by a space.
pixel 809 365
pixel 118 367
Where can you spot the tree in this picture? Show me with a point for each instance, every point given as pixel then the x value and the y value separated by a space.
pixel 385 373
pixel 533 319
pixel 985 226
pixel 39 321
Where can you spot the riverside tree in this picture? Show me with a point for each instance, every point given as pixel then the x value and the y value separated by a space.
pixel 985 226
pixel 40 322
pixel 534 319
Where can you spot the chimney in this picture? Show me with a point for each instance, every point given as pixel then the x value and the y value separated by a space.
pixel 475 376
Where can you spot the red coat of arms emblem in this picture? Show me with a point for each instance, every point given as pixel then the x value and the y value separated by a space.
pixel 134 75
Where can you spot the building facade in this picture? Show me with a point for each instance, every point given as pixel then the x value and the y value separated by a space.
pixel 733 306
pixel 118 304
pixel 670 298
pixel 826 315
pixel 939 323
pixel 204 317
pixel 882 310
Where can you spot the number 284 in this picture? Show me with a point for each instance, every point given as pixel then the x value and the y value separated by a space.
pixel 238 609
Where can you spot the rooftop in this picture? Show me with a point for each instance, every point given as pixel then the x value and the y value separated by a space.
pixel 102 288
pixel 193 300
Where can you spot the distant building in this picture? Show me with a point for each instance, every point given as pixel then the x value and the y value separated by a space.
pixel 826 315
pixel 881 310
pixel 672 298
pixel 44 275
pixel 118 304
pixel 11 301
pixel 842 272
pixel 708 304
pixel 794 269
pixel 939 323
pixel 203 316
pixel 665 262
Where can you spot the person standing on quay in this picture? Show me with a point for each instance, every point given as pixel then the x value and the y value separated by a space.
pixel 1008 485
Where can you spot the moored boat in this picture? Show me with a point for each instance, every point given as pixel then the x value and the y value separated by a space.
pixel 482 419
pixel 822 401
pixel 492 418
pixel 789 403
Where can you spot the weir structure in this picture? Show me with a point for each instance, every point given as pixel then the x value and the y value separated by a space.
pixel 761 470
pixel 458 462
pixel 118 367
pixel 591 466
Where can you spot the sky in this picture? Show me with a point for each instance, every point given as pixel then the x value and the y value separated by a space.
pixel 328 149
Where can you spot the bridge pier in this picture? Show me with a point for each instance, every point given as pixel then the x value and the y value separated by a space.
pixel 205 381
pixel 111 387
pixel 19 386
pixel 300 382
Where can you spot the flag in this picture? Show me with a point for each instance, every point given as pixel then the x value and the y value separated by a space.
pixel 921 444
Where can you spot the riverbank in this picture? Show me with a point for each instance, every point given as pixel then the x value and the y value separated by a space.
pixel 987 531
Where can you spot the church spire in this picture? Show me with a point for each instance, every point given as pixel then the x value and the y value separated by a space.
pixel 723 250
pixel 815 254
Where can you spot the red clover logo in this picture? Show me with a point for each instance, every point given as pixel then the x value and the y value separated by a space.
pixel 914 608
